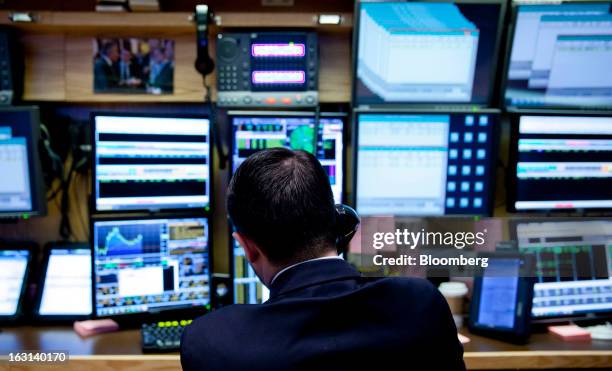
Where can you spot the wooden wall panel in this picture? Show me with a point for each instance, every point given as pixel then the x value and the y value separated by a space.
pixel 44 67
pixel 335 67
pixel 59 68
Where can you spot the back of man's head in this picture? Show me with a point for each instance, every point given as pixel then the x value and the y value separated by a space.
pixel 282 200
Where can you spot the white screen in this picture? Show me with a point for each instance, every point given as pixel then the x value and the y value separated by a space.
pixel 67 287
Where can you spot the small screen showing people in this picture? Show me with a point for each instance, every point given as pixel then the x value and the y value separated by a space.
pixel 133 65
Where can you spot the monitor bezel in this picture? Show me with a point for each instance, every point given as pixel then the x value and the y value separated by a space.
pixel 135 319
pixel 513 17
pixel 490 207
pixel 37 186
pixel 23 303
pixel 511 179
pixel 144 212
pixel 513 233
pixel 57 318
pixel 493 77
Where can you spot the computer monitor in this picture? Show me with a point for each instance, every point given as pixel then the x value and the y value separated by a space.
pixel 561 163
pixel 144 266
pixel 573 266
pixel 14 268
pixel 248 289
pixel 421 164
pixel 426 51
pixel 65 288
pixel 21 193
pixel 560 56
pixel 254 131
pixel 143 162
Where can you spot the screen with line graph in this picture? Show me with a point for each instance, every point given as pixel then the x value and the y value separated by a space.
pixel 573 266
pixel 146 264
pixel 425 163
pixel 151 163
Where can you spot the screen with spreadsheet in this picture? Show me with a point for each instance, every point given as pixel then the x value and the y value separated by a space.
pixel 426 52
pixel 573 266
pixel 143 265
pixel 425 164
pixel 562 162
pixel 560 56
pixel 21 193
pixel 151 163
pixel 13 272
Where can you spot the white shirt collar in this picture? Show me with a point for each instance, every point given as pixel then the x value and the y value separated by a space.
pixel 107 60
pixel 302 262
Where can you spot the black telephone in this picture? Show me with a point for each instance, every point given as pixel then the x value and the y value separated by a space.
pixel 204 64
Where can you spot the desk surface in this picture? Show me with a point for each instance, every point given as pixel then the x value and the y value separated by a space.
pixel 121 349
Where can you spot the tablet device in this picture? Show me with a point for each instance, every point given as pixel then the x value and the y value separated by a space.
pixel 14 268
pixel 64 291
pixel 501 302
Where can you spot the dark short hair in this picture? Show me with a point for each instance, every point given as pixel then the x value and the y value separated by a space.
pixel 107 46
pixel 282 200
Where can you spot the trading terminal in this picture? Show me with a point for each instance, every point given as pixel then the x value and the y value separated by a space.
pixel 453 116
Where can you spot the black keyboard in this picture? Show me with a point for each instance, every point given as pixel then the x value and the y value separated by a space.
pixel 163 336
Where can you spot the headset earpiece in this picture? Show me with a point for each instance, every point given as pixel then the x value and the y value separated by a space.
pixel 347 222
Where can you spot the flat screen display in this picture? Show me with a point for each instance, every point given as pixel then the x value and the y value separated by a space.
pixel 425 163
pixel 13 269
pixel 560 56
pixel 66 288
pixel 148 265
pixel 426 52
pixel 151 163
pixel 21 193
pixel 573 266
pixel 254 133
pixel 563 163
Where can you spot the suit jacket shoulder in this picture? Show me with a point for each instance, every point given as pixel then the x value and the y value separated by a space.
pixel 324 315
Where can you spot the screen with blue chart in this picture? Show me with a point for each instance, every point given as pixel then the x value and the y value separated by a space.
pixel 425 163
pixel 252 133
pixel 151 163
pixel 426 52
pixel 561 56
pixel 148 264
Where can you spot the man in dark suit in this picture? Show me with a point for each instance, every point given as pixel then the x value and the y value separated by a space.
pixel 106 76
pixel 322 314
